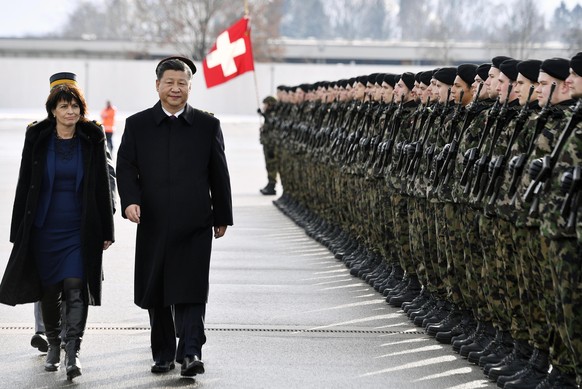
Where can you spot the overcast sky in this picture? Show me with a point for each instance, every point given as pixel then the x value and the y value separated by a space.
pixel 19 18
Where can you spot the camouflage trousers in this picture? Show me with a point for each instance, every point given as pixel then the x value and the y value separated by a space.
pixel 533 284
pixel 512 278
pixel 418 249
pixel 469 225
pixel 435 261
pixel 271 163
pixel 564 262
pixel 493 267
pixel 402 233
pixel 449 224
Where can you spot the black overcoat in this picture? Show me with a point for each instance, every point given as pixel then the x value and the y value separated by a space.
pixel 21 282
pixel 176 171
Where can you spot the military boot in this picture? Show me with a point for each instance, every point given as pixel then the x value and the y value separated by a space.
pixel 536 372
pixel 474 356
pixel 76 320
pixel 448 323
pixel 558 380
pixel 503 347
pixel 408 294
pixel 513 363
pixel 466 325
pixel 480 341
pixel 51 312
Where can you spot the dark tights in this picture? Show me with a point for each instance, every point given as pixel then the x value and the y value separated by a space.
pixel 64 286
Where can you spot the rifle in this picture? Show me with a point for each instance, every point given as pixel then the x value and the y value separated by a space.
pixel 549 162
pixel 395 127
pixel 431 149
pixel 423 116
pixel 482 165
pixel 474 152
pixel 419 145
pixel 495 180
pixel 454 147
pixel 441 159
pixel 522 158
pixel 400 145
pixel 569 209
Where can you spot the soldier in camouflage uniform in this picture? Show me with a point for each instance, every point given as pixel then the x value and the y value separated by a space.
pixel 462 298
pixel 550 124
pixel 266 137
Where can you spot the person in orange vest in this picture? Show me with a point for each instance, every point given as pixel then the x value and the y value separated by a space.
pixel 108 119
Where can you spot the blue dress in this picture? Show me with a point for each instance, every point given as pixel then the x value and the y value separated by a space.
pixel 56 243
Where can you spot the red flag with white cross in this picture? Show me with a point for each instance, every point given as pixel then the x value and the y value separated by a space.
pixel 230 56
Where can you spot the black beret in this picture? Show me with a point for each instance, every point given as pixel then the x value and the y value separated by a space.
pixel 362 79
pixel 576 64
pixel 187 61
pixel 556 67
pixel 467 72
pixel 530 69
pixel 425 77
pixel 417 76
pixel 379 79
pixel 499 60
pixel 372 78
pixel 446 75
pixel 62 78
pixel 343 83
pixel 303 87
pixel 408 79
pixel 509 68
pixel 483 71
pixel 390 79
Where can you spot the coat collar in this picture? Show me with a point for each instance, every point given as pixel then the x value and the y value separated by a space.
pixel 160 115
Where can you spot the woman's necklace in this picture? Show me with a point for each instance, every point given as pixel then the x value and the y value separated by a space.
pixel 65 147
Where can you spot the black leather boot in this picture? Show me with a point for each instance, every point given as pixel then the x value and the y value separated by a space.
pixel 539 364
pixel 269 189
pixel 513 363
pixel 76 320
pixel 51 314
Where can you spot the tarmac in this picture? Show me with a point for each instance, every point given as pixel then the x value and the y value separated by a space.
pixel 282 311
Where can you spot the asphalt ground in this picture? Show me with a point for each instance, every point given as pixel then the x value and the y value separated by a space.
pixel 282 311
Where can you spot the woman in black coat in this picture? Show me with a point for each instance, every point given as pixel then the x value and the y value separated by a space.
pixel 62 220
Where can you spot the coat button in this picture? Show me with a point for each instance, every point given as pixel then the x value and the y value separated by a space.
pixel 28 212
pixel 32 186
pixel 35 162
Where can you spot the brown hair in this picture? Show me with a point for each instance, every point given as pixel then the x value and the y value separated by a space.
pixel 66 92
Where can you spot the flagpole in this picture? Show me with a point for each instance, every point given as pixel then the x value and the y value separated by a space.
pixel 254 71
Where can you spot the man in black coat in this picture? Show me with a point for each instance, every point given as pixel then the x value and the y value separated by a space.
pixel 174 183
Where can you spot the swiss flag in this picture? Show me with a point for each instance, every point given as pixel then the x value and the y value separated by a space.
pixel 230 56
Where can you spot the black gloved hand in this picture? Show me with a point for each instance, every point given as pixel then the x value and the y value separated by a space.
pixel 566 181
pixel 512 164
pixel 535 168
pixel 466 156
pixel 491 167
pixel 410 150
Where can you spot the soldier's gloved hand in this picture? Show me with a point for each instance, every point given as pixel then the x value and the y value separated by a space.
pixel 410 150
pixel 535 167
pixel 446 149
pixel 399 146
pixel 466 157
pixel 259 111
pixel 566 181
pixel 512 164
pixel 491 166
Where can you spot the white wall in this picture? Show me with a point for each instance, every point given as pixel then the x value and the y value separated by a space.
pixel 130 84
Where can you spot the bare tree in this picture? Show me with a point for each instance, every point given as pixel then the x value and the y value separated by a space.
pixel 522 28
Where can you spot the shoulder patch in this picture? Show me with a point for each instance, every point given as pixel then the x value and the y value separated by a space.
pixel 31 124
pixel 210 113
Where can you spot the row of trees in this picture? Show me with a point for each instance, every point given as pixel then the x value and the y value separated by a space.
pixel 192 25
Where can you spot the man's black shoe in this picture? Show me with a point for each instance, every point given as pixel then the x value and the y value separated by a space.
pixel 162 366
pixel 269 190
pixel 39 342
pixel 192 366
